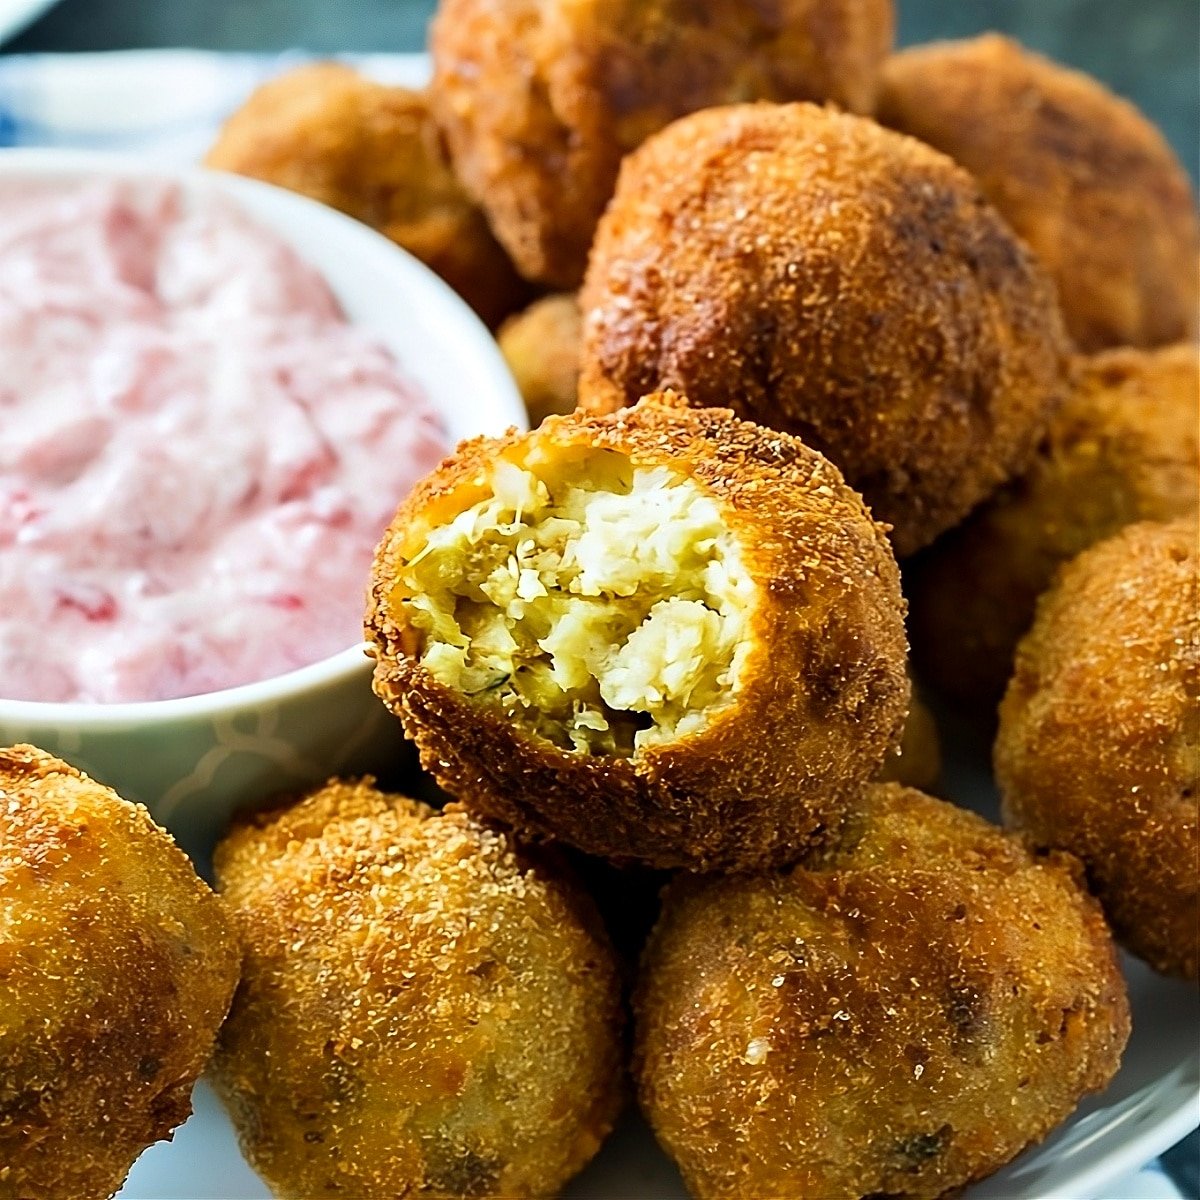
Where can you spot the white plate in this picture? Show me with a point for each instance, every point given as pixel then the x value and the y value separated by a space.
pixel 16 14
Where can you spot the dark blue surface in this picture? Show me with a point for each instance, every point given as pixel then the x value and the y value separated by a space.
pixel 1183 1164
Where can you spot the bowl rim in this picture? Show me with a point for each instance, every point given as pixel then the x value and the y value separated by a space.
pixel 93 718
pixel 49 163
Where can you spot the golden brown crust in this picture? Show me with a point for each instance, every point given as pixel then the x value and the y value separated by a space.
pixel 540 100
pixel 1099 743
pixel 830 278
pixel 1079 173
pixel 116 967
pixel 899 1018
pixel 1125 447
pixel 824 693
pixel 375 153
pixel 541 347
pixel 425 1008
pixel 917 762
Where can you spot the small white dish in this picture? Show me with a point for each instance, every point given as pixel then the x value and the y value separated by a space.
pixel 193 760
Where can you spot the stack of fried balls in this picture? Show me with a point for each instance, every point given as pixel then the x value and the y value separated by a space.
pixel 818 332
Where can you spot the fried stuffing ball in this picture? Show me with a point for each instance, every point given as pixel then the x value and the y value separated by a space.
pixel 374 152
pixel 918 760
pixel 1124 448
pixel 541 347
pixel 824 276
pixel 665 636
pixel 425 1009
pixel 899 1018
pixel 1080 174
pixel 117 965
pixel 1099 745
pixel 540 99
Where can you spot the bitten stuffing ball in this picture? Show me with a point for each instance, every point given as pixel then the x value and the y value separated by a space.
pixel 665 636
pixel 1099 744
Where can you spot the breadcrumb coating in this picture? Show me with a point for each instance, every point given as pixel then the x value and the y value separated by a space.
pixel 1125 447
pixel 1099 744
pixel 425 1009
pixel 374 152
pixel 897 1017
pixel 918 761
pixel 540 99
pixel 837 281
pixel 1083 177
pixel 541 347
pixel 117 965
pixel 817 688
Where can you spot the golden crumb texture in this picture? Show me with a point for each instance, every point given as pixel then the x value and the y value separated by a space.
pixel 830 278
pixel 1082 176
pixel 373 152
pixel 117 965
pixel 1099 744
pixel 1125 447
pixel 898 1017
pixel 540 99
pixel 425 1009
pixel 819 698
pixel 541 346
pixel 917 762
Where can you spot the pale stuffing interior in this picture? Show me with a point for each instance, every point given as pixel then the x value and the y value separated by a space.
pixel 602 604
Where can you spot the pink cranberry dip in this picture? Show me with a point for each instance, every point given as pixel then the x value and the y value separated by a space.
pixel 197 452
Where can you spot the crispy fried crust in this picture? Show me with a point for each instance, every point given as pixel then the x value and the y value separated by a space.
pixel 1123 448
pixel 1079 173
pixel 897 1019
pixel 1099 743
pixel 830 278
pixel 117 964
pixel 374 152
pixel 918 761
pixel 824 692
pixel 425 1009
pixel 540 100
pixel 541 347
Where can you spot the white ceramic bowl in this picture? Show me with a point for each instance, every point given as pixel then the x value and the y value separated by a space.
pixel 194 760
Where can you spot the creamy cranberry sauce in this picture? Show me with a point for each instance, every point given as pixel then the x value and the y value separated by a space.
pixel 197 451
